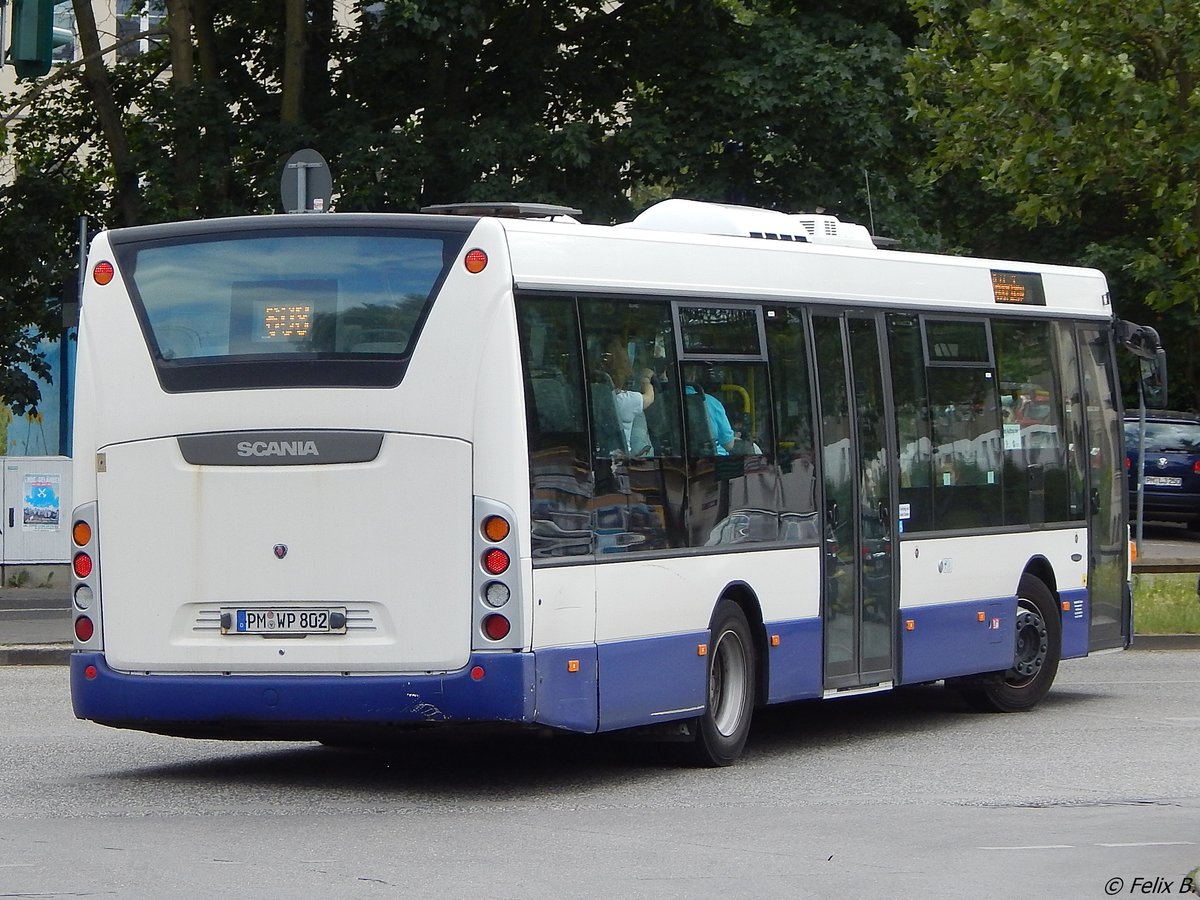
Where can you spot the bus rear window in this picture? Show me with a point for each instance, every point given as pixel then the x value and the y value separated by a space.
pixel 306 308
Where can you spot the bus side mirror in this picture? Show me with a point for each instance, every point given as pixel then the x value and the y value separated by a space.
pixel 1143 342
pixel 1154 379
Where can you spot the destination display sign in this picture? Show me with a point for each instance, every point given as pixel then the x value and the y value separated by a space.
pixel 1024 288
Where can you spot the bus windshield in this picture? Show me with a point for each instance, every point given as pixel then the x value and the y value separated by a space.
pixel 261 309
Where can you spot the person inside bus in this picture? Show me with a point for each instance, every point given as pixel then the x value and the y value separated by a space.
pixel 718 419
pixel 631 405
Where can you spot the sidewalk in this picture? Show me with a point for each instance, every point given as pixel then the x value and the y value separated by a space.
pixel 35 626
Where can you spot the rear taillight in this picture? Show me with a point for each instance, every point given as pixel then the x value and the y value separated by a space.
pixel 496 580
pixel 495 561
pixel 85 590
pixel 1196 467
pixel 496 627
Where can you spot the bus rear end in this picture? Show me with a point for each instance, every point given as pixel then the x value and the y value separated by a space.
pixel 281 529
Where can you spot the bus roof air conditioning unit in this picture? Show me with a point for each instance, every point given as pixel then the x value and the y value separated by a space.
pixel 695 217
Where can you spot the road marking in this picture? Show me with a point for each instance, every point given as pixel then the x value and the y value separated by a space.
pixel 1035 847
pixel 1073 847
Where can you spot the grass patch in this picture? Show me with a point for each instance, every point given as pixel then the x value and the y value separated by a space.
pixel 1166 604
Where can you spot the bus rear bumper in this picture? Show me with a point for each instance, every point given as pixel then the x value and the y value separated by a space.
pixel 293 705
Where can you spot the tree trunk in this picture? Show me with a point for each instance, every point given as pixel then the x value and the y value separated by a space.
pixel 95 80
pixel 185 133
pixel 291 112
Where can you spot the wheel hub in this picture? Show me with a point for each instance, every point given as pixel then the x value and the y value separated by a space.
pixel 1033 643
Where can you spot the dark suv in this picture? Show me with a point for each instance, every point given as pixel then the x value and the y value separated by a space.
pixel 1172 467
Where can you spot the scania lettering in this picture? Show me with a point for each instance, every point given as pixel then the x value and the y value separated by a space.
pixel 278 448
pixel 531 473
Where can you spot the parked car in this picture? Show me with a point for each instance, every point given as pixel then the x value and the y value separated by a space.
pixel 1172 467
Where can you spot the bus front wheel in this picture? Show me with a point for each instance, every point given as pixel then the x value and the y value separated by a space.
pixel 722 731
pixel 1036 653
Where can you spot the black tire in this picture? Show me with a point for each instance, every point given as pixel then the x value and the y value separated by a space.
pixel 1036 653
pixel 720 734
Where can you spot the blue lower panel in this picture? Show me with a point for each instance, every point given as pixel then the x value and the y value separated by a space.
pixel 568 692
pixel 795 664
pixel 651 680
pixel 504 694
pixel 1075 623
pixel 954 639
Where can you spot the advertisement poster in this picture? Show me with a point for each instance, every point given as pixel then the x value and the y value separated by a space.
pixel 42 497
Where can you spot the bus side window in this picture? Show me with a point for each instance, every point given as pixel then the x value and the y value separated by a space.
pixel 559 459
pixel 607 439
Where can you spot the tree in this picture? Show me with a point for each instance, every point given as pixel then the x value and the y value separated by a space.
pixel 795 106
pixel 37 218
pixel 1080 116
pixel 600 105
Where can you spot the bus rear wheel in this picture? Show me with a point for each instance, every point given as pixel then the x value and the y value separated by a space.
pixel 1036 654
pixel 720 734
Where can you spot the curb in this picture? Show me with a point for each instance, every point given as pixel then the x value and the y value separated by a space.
pixel 35 655
pixel 1165 642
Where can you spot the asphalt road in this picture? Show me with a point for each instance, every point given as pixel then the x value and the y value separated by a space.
pixel 896 796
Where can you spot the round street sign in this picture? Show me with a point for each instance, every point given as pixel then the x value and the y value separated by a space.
pixel 306 185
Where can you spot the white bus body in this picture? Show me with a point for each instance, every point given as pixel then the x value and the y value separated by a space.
pixel 291 432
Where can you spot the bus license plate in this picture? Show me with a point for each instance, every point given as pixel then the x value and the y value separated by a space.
pixel 1163 481
pixel 283 620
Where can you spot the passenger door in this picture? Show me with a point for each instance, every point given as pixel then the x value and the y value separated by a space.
pixel 859 585
pixel 1108 539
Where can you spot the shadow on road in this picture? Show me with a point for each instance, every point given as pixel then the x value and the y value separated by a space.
pixel 446 764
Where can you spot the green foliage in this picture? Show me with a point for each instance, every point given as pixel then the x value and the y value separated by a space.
pixel 39 230
pixel 1166 604
pixel 1081 117
pixel 795 106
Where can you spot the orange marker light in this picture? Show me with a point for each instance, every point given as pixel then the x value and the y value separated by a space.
pixel 103 272
pixel 981 616
pixel 495 528
pixel 81 533
pixel 774 640
pixel 475 261
pixel 1066 604
pixel 702 649
pixel 910 624
pixel 572 665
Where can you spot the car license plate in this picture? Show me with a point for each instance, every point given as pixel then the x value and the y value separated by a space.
pixel 284 620
pixel 1163 481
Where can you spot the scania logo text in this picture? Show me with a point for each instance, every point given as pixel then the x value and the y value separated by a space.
pixel 277 448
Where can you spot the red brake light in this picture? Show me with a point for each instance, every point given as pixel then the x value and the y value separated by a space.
pixel 496 627
pixel 82 565
pixel 1196 467
pixel 475 261
pixel 84 629
pixel 495 561
pixel 103 272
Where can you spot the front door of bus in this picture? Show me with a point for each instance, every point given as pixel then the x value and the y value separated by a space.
pixel 858 597
pixel 1107 537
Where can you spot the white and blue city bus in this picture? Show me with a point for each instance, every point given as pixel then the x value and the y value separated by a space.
pixel 341 474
